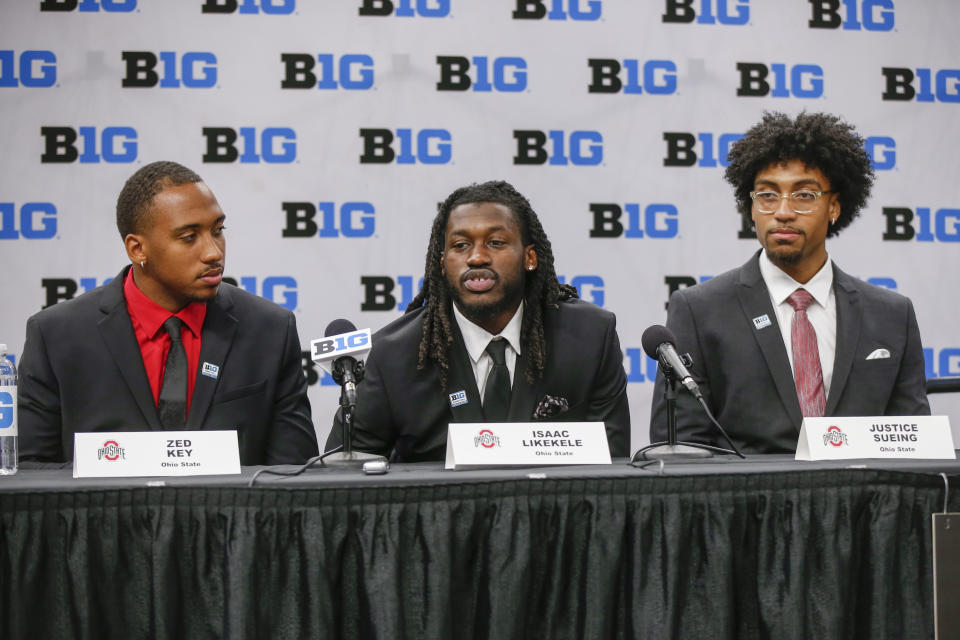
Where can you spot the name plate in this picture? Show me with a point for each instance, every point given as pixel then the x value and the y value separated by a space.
pixel 120 454
pixel 521 444
pixel 922 437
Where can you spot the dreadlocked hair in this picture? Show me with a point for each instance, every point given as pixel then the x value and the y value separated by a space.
pixel 821 141
pixel 541 287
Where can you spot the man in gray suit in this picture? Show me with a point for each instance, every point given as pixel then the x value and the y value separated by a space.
pixel 166 345
pixel 788 334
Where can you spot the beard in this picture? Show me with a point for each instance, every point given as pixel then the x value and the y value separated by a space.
pixel 790 256
pixel 482 309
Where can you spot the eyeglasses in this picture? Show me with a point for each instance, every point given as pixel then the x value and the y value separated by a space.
pixel 802 201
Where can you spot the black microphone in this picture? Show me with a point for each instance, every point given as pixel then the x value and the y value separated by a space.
pixel 658 342
pixel 344 369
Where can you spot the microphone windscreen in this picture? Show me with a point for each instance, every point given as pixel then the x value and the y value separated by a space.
pixel 654 336
pixel 339 326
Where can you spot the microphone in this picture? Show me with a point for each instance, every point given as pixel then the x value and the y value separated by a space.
pixel 658 343
pixel 341 353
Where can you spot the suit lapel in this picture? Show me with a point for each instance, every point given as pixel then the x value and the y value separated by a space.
pixel 755 302
pixel 849 315
pixel 460 378
pixel 116 331
pixel 219 327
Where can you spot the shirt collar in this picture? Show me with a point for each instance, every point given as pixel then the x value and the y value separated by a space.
pixel 476 338
pixel 151 316
pixel 780 285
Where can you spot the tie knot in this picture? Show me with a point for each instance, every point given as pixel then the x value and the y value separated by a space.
pixel 800 299
pixel 497 349
pixel 173 325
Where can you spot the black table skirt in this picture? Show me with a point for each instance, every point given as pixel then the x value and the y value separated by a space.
pixel 607 553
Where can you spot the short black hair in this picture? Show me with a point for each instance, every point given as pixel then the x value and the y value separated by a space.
pixel 821 141
pixel 137 194
pixel 542 290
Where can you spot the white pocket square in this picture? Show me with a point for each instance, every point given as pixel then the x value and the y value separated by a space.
pixel 878 354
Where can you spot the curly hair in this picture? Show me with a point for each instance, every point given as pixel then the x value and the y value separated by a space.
pixel 137 194
pixel 541 287
pixel 821 141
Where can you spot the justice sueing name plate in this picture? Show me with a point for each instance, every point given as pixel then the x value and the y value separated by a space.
pixel 836 438
pixel 521 444
pixel 120 454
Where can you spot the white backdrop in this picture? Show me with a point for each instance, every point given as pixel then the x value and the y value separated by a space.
pixel 221 64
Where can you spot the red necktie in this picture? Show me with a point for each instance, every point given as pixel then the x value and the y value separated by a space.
pixel 806 357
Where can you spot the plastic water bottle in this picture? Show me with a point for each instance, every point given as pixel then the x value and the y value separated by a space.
pixel 8 414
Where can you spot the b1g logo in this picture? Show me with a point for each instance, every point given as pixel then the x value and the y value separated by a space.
pixel 656 220
pixel 683 149
pixel 37 221
pixel 866 15
pixel 659 76
pixel 639 366
pixel 312 374
pixel 196 69
pixel 279 289
pixel 940 86
pixel 586 147
pixel 93 6
pixel 405 8
pixel 378 292
pixel 798 81
pixel 60 289
pixel 341 344
pixel 835 437
pixel 355 220
pixel 37 68
pixel 278 145
pixel 943 225
pixel 506 74
pixel 707 12
pixel 352 72
pixel 675 283
pixel 882 151
pixel 589 288
pixel 579 10
pixel 433 146
pixel 66 144
pixel 268 7
pixel 942 363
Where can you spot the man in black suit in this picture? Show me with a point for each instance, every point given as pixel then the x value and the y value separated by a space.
pixel 166 344
pixel 789 334
pixel 492 337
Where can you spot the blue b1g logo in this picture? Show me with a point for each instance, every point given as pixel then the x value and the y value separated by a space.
pixel 707 12
pixel 278 145
pixel 506 74
pixel 341 343
pixel 427 146
pixel 8 410
pixel 589 288
pixel 37 68
pixel 196 69
pixel 659 76
pixel 90 6
pixel 798 81
pixel 66 144
pixel 279 289
pixel 656 220
pixel 356 220
pixel 579 10
pixel 38 221
pixel 585 147
pixel 405 8
pixel 269 7
pixel 351 72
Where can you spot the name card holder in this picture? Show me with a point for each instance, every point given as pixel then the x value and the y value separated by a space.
pixel 845 438
pixel 128 454
pixel 522 444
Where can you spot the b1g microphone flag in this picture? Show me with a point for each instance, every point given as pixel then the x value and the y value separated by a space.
pixel 341 339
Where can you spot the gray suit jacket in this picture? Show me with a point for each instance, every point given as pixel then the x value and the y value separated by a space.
pixel 403 412
pixel 745 374
pixel 81 371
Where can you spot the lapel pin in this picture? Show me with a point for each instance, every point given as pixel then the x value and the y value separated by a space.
pixel 210 370
pixel 458 398
pixel 761 321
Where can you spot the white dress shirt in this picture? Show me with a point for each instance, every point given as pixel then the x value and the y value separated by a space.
pixel 822 311
pixel 476 339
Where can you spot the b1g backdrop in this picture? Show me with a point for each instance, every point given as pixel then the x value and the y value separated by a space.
pixel 329 131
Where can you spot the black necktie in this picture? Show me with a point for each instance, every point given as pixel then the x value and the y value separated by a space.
pixel 173 392
pixel 496 393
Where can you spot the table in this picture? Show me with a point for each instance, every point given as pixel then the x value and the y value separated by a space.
pixel 763 548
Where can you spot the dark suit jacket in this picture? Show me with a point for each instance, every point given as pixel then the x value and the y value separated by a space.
pixel 745 375
pixel 81 371
pixel 403 412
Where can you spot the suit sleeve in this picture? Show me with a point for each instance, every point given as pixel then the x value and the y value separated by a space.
pixel 373 430
pixel 692 424
pixel 608 397
pixel 292 437
pixel 909 395
pixel 38 402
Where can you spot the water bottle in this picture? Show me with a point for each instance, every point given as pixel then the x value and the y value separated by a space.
pixel 8 414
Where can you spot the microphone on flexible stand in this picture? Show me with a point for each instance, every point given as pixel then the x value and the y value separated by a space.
pixel 659 343
pixel 340 353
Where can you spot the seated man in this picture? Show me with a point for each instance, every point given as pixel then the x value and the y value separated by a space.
pixel 492 337
pixel 126 356
pixel 789 334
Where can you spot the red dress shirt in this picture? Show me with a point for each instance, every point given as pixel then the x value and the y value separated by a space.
pixel 148 318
